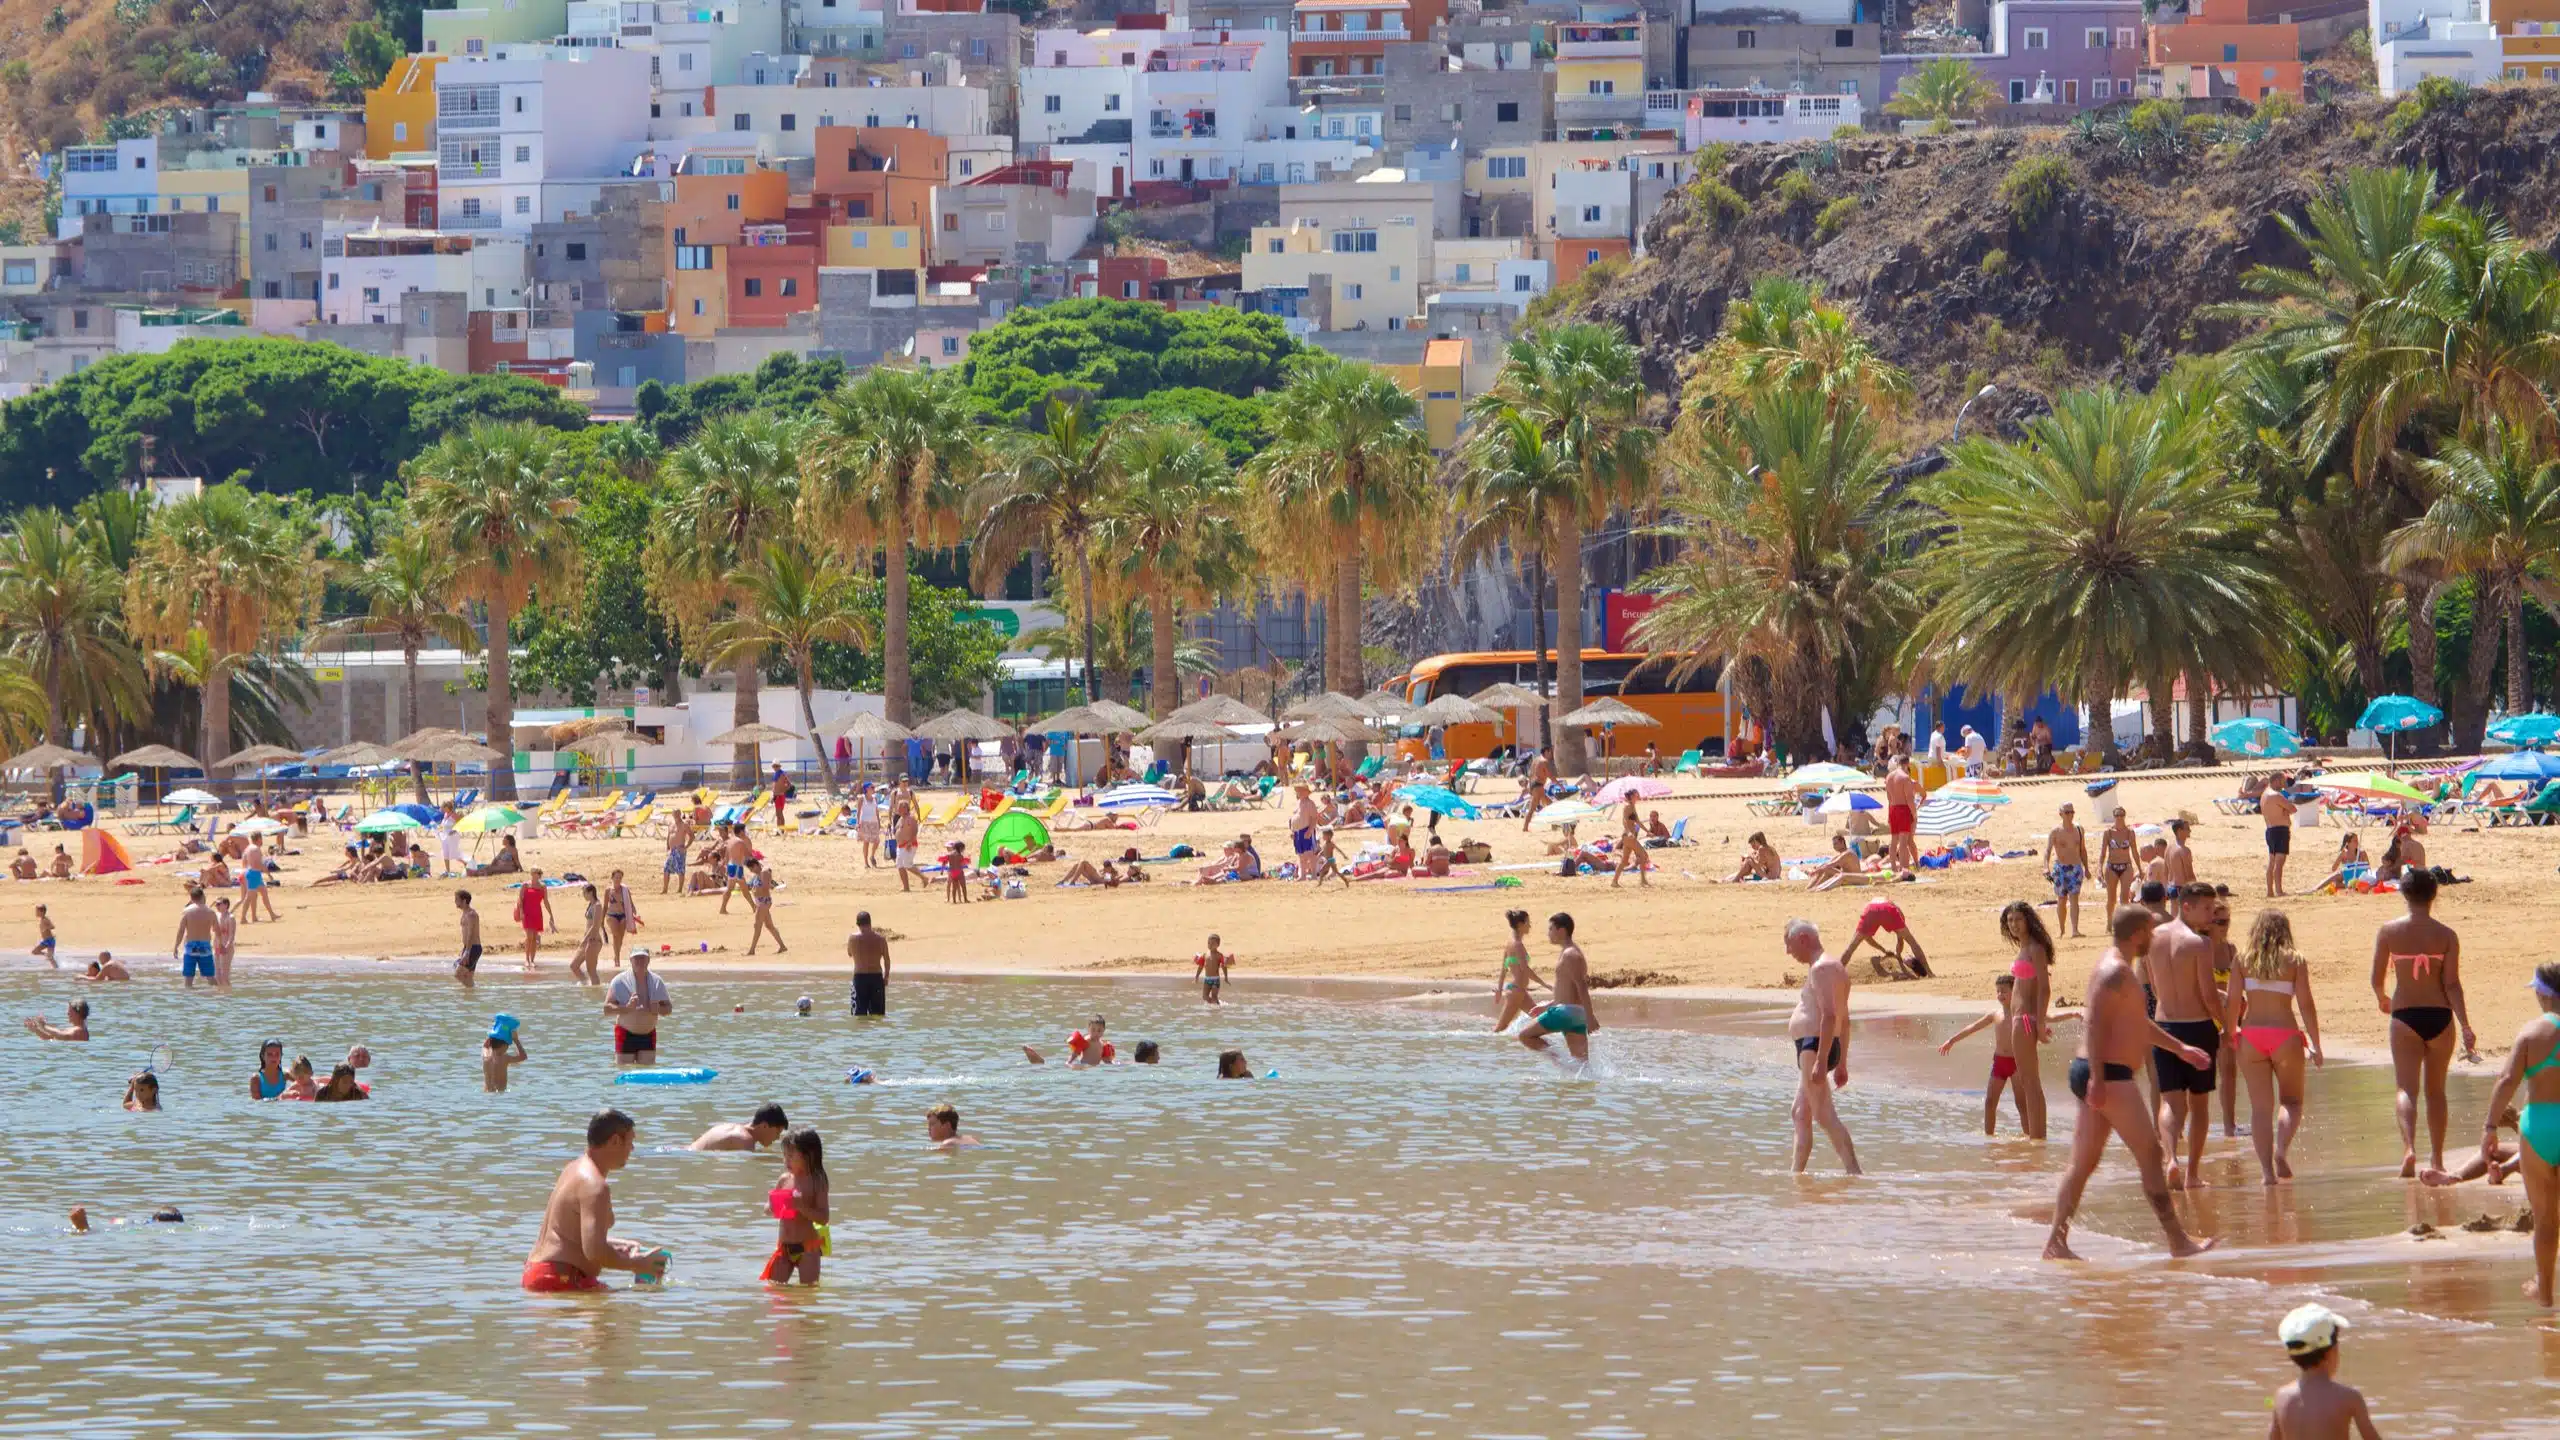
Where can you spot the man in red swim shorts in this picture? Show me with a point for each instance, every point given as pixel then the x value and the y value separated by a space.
pixel 576 1245
pixel 1901 817
pixel 1885 915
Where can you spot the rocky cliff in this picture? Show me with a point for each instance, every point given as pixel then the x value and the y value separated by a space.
pixel 2042 259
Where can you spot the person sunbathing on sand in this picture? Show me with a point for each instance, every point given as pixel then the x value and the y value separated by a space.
pixel 1759 860
pixel 1083 873
pixel 24 867
pixel 1845 861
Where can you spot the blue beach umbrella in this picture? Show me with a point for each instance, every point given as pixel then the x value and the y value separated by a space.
pixel 1439 800
pixel 2252 736
pixel 2533 729
pixel 2392 714
pixel 2533 765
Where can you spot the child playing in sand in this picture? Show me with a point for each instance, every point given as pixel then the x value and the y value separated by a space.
pixel 1329 859
pixel 496 1056
pixel 45 938
pixel 2315 1406
pixel 799 1202
pixel 1210 967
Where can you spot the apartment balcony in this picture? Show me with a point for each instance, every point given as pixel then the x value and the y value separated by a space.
pixel 1381 35
pixel 1176 130
pixel 456 220
pixel 1587 110
pixel 1307 89
pixel 1599 42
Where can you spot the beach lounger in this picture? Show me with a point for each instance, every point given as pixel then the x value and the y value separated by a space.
pixel 943 810
pixel 185 819
pixel 2235 805
pixel 1775 806
pixel 1689 762
pixel 631 820
pixel 1051 809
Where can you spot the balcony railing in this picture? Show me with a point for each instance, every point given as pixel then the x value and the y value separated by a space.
pixel 460 221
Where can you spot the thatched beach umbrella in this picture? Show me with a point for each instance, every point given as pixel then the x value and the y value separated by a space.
pixel 1121 718
pixel 1327 729
pixel 756 734
pixel 1515 698
pixel 260 756
pixel 1603 712
pixel 1221 710
pixel 1184 728
pixel 1331 705
pixel 566 731
pixel 361 755
pixel 48 758
pixel 1455 710
pixel 865 730
pixel 953 726
pixel 162 759
pixel 1074 720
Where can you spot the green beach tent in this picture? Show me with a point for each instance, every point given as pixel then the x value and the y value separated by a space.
pixel 1012 830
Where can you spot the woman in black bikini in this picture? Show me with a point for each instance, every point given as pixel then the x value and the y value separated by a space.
pixel 2115 862
pixel 2417 980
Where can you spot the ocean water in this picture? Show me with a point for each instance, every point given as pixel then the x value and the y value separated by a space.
pixel 1418 1229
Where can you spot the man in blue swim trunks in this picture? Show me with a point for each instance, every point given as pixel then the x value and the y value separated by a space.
pixel 194 947
pixel 2066 859
pixel 1569 1014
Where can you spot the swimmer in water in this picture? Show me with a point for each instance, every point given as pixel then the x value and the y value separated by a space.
pixel 942 1130
pixel 46 940
pixel 299 1084
pixel 799 1203
pixel 2315 1406
pixel 1232 1066
pixel 142 1092
pixel 496 1058
pixel 467 964
pixel 575 1246
pixel 2115 1037
pixel 761 1129
pixel 1512 982
pixel 76 1028
pixel 107 967
pixel 1146 1054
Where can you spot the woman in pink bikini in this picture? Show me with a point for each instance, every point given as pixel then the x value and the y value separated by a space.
pixel 2033 972
pixel 2269 986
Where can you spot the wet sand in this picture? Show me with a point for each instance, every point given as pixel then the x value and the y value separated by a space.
pixel 1686 935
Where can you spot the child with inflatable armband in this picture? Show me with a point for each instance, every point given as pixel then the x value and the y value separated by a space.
pixel 799 1203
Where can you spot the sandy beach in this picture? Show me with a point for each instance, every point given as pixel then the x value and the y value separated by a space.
pixel 1686 931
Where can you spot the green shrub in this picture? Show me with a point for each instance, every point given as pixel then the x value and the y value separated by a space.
pixel 1717 203
pixel 1794 188
pixel 2033 187
pixel 2278 108
pixel 1995 263
pixel 2436 92
pixel 2201 129
pixel 2363 132
pixel 1834 215
pixel 1849 132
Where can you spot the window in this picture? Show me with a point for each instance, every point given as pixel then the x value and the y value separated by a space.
pixel 576 250
pixel 1111 104
pixel 697 307
pixel 274 291
pixel 908 51
pixel 2514 72
pixel 1057 57
pixel 996 221
pixel 270 195
pixel 951 223
pixel 524 205
pixel 790 285
pixel 1155 169
pixel 1049 105
pixel 1590 214
pixel 2551 72
pixel 627 376
pixel 1353 292
pixel 977 49
pixel 524 154
pixel 1746 40
pixel 898 240
pixel 1590 257
pixel 471 209
pixel 271 244
pixel 1506 167
pixel 2038 38
pixel 755 287
pixel 1466 272
pixel 1506 111
pixel 1395 322
pixel 1844 39
pixel 861 239
pixel 2124 40
pixel 742 121
pixel 1272 247
pixel 1263 173
pixel 19 272
pixel 399 129
pixel 2101 89
pixel 2231 56
pixel 1333 127
pixel 519 104
pixel 1355 242
pixel 679 235
pixel 2017 92
pixel 1365 124
pixel 733 199
pixel 2095 38
pixel 950 345
pixel 1519 284
pixel 333 281
pixel 472 46
pixel 968 167
pixel 373 294
pixel 1440 394
pixel 693 257
pixel 1404 114
pixel 684 61
pixel 1395 274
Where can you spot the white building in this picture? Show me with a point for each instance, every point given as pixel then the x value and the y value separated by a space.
pixel 528 116
pixel 2413 39
pixel 1196 105
pixel 690 47
pixel 1742 116
pixel 1081 82
pixel 122 178
pixel 362 282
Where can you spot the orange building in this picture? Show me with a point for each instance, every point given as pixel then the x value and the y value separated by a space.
pixel 772 271
pixel 1350 37
pixel 2218 51
pixel 2529 38
pixel 1571 257
pixel 878 176
pixel 706 215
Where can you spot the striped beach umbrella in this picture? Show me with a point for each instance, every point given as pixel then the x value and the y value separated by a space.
pixel 1972 792
pixel 1136 797
pixel 1950 817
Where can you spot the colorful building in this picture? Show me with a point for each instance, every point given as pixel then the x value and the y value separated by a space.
pixel 2218 50
pixel 400 113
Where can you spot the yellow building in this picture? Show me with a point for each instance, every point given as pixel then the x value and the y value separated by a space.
pixel 2529 38
pixel 1438 382
pixel 875 247
pixel 1355 276
pixel 400 114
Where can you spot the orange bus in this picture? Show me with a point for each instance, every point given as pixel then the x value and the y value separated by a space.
pixel 1691 710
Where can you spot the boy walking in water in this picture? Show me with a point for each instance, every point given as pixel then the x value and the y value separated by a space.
pixel 1211 967
pixel 2315 1406
pixel 467 964
pixel 194 948
pixel 45 938
pixel 2115 1036
pixel 1569 1014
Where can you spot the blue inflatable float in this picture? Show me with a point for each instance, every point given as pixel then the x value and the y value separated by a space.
pixel 682 1075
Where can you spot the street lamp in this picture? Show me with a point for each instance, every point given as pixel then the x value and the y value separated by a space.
pixel 1985 393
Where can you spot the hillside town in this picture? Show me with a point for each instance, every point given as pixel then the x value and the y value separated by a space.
pixel 602 193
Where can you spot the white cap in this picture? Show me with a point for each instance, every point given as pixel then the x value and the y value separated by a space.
pixel 2310 1330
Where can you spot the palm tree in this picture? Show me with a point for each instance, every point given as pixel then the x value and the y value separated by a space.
pixel 1509 472
pixel 730 489
pixel 1343 494
pixel 228 567
pixel 498 499
pixel 2099 548
pixel 1582 386
pixel 1174 524
pixel 2496 517
pixel 1942 92
pixel 1785 335
pixel 889 467
pixel 1048 491
pixel 1124 638
pixel 61 618
pixel 408 587
pixel 790 598
pixel 1793 577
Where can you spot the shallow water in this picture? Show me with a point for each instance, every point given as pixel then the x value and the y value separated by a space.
pixel 1417 1230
